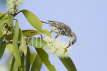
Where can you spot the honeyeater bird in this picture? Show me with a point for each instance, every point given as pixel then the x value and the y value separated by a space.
pixel 62 29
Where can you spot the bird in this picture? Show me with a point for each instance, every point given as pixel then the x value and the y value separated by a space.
pixel 62 29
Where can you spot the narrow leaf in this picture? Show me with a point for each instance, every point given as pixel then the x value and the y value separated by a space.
pixel 2 15
pixel 15 52
pixel 37 64
pixel 12 64
pixel 30 33
pixel 32 57
pixel 22 68
pixel 23 46
pixel 14 47
pixel 68 63
pixel 16 34
pixel 45 59
pixel 2 46
pixel 35 21
pixel 28 59
pixel 2 49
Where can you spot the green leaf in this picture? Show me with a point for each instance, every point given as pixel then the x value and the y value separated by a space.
pixel 22 68
pixel 35 21
pixel 23 46
pixel 16 34
pixel 2 46
pixel 45 59
pixel 14 47
pixel 15 52
pixel 30 33
pixel 68 63
pixel 37 64
pixel 2 49
pixel 37 43
pixel 12 62
pixel 2 15
pixel 32 57
pixel 28 59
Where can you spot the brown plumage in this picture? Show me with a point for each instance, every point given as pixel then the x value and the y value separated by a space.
pixel 62 29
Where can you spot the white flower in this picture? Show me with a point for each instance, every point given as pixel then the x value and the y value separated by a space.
pixel 12 3
pixel 56 47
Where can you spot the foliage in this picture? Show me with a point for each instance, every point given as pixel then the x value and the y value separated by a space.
pixel 19 42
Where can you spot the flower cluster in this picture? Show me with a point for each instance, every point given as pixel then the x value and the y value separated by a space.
pixel 56 47
pixel 14 3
